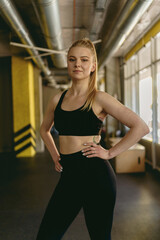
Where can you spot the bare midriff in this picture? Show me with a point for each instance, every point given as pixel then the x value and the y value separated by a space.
pixel 72 144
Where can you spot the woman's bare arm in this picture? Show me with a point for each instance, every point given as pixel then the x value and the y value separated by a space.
pixel 138 127
pixel 45 128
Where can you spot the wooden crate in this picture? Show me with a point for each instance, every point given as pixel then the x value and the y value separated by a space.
pixel 132 160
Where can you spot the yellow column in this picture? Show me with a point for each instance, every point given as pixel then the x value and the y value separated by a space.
pixel 23 107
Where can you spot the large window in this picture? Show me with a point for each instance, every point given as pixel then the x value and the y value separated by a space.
pixel 142 74
pixel 145 101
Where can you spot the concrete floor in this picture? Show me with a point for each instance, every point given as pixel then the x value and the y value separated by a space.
pixel 25 194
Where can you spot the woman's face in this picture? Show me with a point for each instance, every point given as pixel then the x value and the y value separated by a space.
pixel 80 63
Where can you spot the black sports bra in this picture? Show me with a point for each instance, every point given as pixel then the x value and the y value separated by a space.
pixel 77 122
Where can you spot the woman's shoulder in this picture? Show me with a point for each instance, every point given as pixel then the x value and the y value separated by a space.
pixel 55 99
pixel 104 99
pixel 100 95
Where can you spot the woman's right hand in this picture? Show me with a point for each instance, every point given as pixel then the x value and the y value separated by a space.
pixel 58 166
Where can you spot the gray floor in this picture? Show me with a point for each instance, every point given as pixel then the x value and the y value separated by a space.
pixel 24 196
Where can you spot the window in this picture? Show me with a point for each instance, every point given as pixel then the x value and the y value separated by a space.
pixel 138 86
pixel 145 102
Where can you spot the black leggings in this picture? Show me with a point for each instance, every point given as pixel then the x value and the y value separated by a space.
pixel 87 183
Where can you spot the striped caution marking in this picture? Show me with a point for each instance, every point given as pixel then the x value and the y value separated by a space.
pixel 25 140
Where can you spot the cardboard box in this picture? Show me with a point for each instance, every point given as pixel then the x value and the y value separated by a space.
pixel 132 160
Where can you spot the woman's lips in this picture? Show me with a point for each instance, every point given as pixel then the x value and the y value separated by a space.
pixel 77 71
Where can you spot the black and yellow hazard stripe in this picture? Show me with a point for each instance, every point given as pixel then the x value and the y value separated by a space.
pixel 23 107
pixel 25 140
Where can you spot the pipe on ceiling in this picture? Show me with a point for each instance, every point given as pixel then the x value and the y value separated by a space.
pixel 124 29
pixel 100 9
pixel 120 21
pixel 13 18
pixel 49 12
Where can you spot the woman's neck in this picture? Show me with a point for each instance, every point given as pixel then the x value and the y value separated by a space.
pixel 79 89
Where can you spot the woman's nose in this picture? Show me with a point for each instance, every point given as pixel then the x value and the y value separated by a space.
pixel 77 63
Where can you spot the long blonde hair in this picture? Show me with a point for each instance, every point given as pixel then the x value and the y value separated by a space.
pixel 92 88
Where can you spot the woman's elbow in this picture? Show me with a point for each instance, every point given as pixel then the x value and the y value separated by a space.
pixel 141 128
pixel 145 129
pixel 42 130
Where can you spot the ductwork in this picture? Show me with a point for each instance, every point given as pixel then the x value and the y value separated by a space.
pixel 100 9
pixel 49 13
pixel 120 21
pixel 12 17
pixel 125 25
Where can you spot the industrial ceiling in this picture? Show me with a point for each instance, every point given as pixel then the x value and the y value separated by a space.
pixel 55 24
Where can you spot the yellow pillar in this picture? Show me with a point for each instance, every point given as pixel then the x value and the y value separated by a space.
pixel 23 107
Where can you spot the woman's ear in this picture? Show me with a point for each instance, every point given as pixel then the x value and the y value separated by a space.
pixel 93 67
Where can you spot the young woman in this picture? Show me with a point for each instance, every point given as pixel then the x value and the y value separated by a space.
pixel 87 180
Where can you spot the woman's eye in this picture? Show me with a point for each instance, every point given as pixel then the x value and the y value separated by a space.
pixel 71 60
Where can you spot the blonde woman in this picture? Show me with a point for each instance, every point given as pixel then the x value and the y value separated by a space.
pixel 87 180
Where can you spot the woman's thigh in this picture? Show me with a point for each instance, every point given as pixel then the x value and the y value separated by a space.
pixel 99 202
pixel 62 208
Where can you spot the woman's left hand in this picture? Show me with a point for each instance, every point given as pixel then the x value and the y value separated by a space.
pixel 94 150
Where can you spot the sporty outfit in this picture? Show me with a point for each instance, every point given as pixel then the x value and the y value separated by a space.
pixel 87 183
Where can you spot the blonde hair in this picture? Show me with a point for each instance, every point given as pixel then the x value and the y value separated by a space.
pixel 92 88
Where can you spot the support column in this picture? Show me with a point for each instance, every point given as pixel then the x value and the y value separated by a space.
pixel 23 107
pixel 113 88
pixel 38 109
